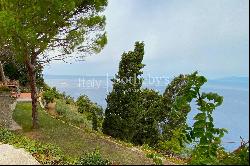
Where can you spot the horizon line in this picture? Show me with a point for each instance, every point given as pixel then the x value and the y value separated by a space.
pixel 61 75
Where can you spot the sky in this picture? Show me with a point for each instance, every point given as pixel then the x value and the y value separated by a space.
pixel 180 36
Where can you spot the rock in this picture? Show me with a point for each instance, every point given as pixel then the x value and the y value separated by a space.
pixel 12 156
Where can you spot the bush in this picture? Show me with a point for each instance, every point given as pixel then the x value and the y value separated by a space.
pixel 50 95
pixel 156 158
pixel 93 158
pixel 61 108
pixel 69 114
pixel 78 119
pixel 238 157
pixel 69 100
pixel 94 111
pixel 83 103
pixel 175 145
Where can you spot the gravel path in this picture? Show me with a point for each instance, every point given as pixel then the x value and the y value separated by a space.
pixel 12 156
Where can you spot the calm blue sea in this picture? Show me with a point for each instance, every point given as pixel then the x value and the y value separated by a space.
pixel 232 115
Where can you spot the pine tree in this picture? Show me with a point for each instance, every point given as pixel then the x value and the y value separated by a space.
pixel 29 29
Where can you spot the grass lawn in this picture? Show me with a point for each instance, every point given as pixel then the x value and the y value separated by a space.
pixel 72 141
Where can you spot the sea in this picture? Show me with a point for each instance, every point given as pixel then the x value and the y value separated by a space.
pixel 233 114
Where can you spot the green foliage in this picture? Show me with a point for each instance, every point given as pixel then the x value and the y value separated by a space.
pixel 174 146
pixel 179 94
pixel 238 157
pixel 203 130
pixel 147 131
pixel 44 153
pixel 78 119
pixel 69 114
pixel 137 115
pixel 61 107
pixel 93 158
pixel 156 158
pixel 95 122
pixel 176 133
pixel 123 103
pixel 177 98
pixel 45 28
pixel 29 29
pixel 95 111
pixel 97 118
pixel 84 104
pixel 12 71
pixel 17 71
pixel 50 94
pixel 69 100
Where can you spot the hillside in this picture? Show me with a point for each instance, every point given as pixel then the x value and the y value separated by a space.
pixel 76 142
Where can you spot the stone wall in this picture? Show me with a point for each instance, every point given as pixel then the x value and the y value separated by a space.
pixel 7 105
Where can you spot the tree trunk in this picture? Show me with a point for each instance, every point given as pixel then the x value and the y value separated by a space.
pixel 32 81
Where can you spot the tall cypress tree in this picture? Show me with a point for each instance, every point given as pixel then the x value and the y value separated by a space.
pixel 123 103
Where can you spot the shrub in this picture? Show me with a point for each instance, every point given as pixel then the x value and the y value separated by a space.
pixel 83 103
pixel 69 114
pixel 238 157
pixel 94 111
pixel 69 100
pixel 93 158
pixel 77 119
pixel 95 122
pixel 61 107
pixel 156 158
pixel 175 145
pixel 50 95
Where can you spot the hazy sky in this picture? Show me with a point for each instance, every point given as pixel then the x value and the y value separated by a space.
pixel 180 36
